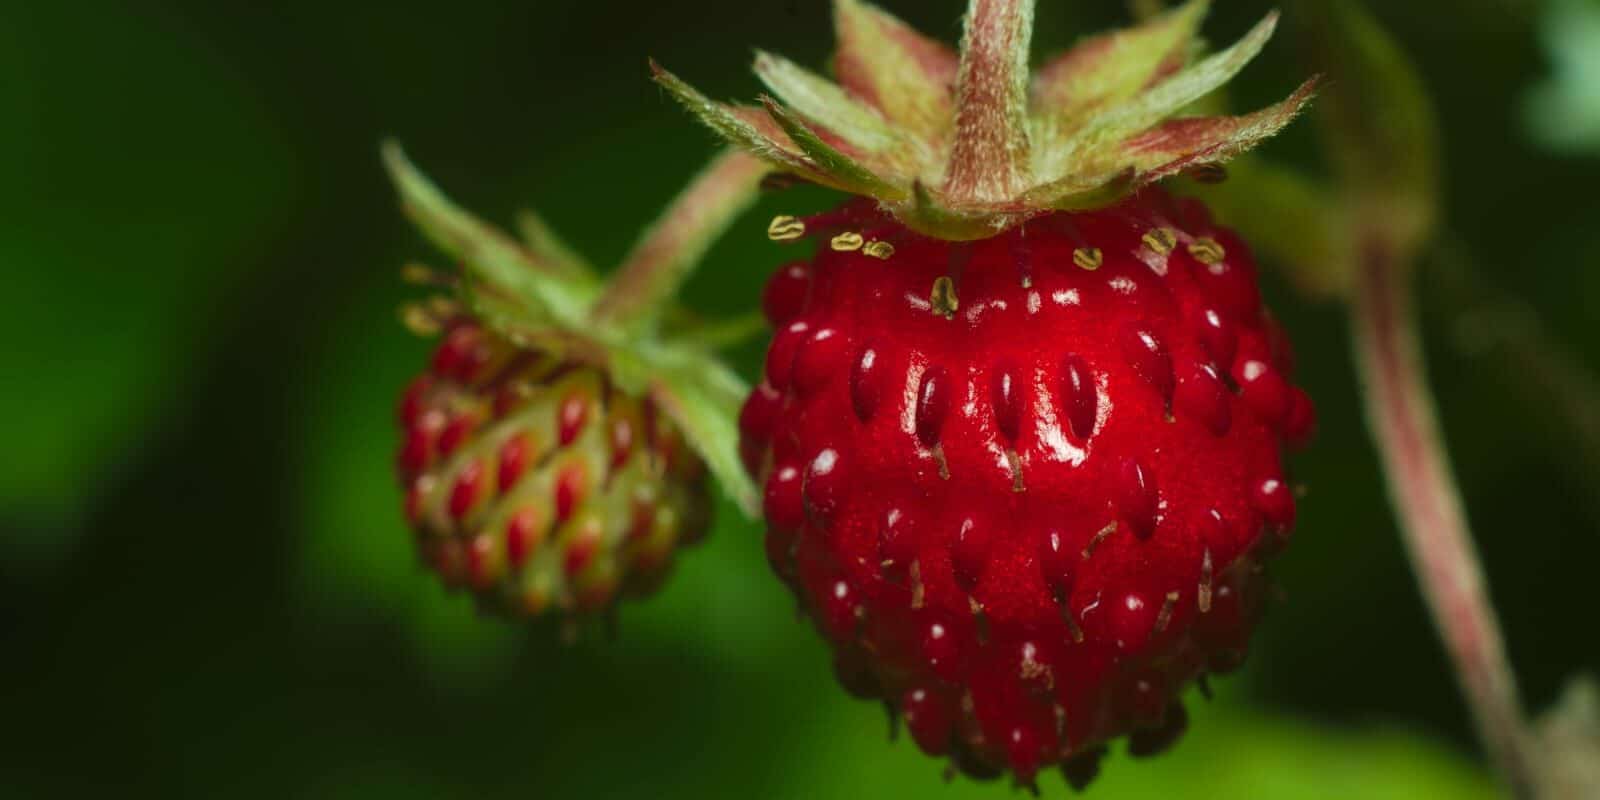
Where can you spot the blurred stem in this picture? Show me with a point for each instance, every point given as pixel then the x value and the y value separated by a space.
pixel 1400 411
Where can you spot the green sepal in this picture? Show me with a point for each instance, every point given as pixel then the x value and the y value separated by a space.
pixel 739 130
pixel 844 169
pixel 551 249
pixel 963 146
pixel 535 294
pixel 1112 68
pixel 703 397
pixel 1174 94
pixel 819 99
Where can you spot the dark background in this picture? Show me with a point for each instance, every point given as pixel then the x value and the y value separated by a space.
pixel 206 587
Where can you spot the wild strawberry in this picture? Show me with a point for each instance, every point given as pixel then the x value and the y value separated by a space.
pixel 1023 416
pixel 537 483
pixel 542 469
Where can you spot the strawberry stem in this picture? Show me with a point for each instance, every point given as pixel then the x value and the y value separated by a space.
pixel 1401 414
pixel 989 158
pixel 667 252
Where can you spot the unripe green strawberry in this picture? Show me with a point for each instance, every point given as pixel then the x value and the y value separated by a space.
pixel 536 483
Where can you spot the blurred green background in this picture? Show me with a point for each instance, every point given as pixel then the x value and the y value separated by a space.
pixel 206 588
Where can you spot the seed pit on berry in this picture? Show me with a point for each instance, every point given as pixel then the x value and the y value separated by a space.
pixel 820 488
pixel 523 533
pixel 1138 499
pixel 514 460
pixel 781 355
pixel 570 490
pixel 820 358
pixel 467 489
pixel 970 554
pixel 1005 395
pixel 1276 503
pixel 1056 563
pixel 1148 356
pixel 1204 396
pixel 865 391
pixel 1264 390
pixel 1218 338
pixel 930 718
pixel 574 413
pixel 1080 397
pixel 897 545
pixel 933 405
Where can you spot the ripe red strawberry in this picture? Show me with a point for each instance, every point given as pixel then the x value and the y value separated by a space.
pixel 1022 419
pixel 1028 508
pixel 543 469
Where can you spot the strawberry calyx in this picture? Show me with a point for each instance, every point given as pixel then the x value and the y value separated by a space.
pixel 967 144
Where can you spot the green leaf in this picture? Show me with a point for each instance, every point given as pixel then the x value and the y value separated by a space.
pixel 1378 123
pixel 703 397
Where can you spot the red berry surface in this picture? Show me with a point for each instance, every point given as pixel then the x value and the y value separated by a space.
pixel 536 484
pixel 1025 486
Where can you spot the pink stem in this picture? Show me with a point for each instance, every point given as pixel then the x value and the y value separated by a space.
pixel 1400 411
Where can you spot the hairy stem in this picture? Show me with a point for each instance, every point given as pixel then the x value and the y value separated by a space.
pixel 1400 411
pixel 674 245
pixel 990 153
